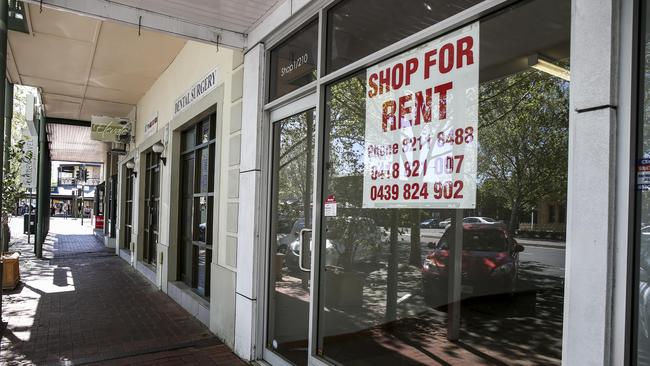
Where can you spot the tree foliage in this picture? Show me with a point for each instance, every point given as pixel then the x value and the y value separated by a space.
pixel 523 140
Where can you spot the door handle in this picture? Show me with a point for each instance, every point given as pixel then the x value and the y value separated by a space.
pixel 301 250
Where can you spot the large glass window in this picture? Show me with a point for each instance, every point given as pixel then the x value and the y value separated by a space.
pixel 390 276
pixel 128 208
pixel 293 63
pixel 356 28
pixel 641 325
pixel 197 202
pixel 151 205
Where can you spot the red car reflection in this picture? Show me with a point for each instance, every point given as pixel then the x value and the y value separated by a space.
pixel 490 264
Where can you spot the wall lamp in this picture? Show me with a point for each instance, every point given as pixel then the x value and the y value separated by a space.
pixel 539 63
pixel 131 165
pixel 158 148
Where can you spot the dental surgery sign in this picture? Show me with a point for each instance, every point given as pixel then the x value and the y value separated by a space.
pixel 200 89
pixel 422 124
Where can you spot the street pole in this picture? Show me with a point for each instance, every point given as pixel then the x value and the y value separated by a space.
pixel 83 209
pixel 42 206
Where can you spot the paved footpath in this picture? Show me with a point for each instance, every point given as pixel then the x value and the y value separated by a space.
pixel 82 305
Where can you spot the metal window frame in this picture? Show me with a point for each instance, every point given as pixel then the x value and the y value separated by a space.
pixel 625 347
pixel 211 116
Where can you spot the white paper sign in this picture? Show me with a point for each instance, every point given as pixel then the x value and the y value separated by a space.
pixel 330 206
pixel 422 124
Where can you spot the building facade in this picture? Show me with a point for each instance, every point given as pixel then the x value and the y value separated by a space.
pixel 259 195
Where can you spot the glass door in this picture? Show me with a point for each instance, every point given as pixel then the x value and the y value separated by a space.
pixel 151 201
pixel 290 244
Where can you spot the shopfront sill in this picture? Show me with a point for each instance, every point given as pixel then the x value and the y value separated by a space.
pixel 196 305
pixel 125 254
pixel 147 271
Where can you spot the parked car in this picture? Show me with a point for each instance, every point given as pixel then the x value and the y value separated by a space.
pixel 285 241
pixel 350 240
pixel 480 220
pixel 444 223
pixel 476 220
pixel 430 224
pixel 490 263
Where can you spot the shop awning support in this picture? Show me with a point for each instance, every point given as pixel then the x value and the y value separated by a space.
pixel 43 188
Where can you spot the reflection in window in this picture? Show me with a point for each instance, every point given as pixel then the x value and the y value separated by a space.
pixel 293 147
pixel 293 63
pixel 386 272
pixel 197 204
pixel 355 29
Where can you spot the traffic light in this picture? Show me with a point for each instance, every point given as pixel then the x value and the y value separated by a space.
pixel 78 175
pixel 84 174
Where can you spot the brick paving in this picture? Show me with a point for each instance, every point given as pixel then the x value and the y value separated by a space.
pixel 81 304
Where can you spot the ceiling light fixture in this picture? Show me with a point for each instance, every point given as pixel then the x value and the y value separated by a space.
pixel 538 63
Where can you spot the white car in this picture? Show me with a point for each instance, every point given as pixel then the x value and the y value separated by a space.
pixel 472 220
pixel 444 223
pixel 480 220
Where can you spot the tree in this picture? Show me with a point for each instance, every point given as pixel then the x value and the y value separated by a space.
pixel 523 140
pixel 12 187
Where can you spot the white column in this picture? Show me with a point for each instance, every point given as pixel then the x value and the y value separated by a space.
pixel 250 250
pixel 591 190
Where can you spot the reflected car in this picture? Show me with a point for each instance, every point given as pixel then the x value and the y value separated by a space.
pixel 490 264
pixel 430 224
pixel 477 220
pixel 355 239
pixel 285 241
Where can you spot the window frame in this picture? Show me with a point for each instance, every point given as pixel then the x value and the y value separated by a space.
pixel 152 181
pixel 195 151
pixel 318 10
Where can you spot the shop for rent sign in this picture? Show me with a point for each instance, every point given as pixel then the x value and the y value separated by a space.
pixel 421 134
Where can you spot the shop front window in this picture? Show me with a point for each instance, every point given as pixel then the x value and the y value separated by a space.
pixel 293 63
pixel 128 208
pixel 151 205
pixel 403 284
pixel 355 29
pixel 197 204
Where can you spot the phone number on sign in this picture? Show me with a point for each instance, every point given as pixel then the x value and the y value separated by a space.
pixel 418 191
pixel 455 137
pixel 419 168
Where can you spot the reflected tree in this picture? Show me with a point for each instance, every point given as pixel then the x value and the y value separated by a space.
pixel 523 140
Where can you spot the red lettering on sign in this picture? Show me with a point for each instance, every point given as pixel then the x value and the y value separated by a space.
pixel 446 58
pixel 442 91
pixel 411 68
pixel 384 81
pixel 404 111
pixel 423 106
pixel 372 85
pixel 429 62
pixel 396 76
pixel 388 115
pixel 464 51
